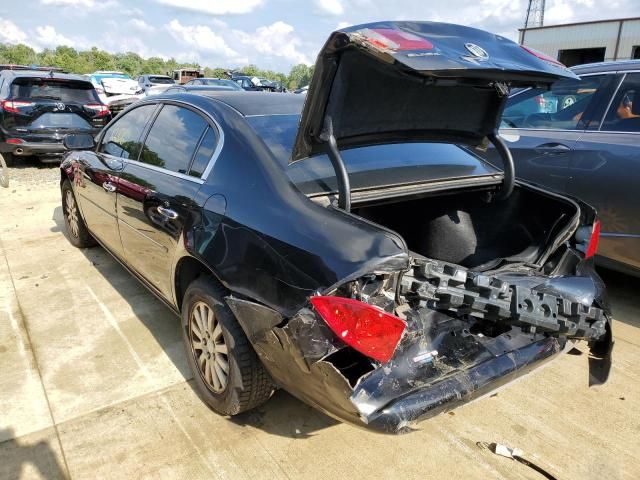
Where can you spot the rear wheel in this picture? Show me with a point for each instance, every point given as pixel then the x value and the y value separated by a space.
pixel 227 372
pixel 79 235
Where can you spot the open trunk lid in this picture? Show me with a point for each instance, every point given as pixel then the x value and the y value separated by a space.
pixel 392 82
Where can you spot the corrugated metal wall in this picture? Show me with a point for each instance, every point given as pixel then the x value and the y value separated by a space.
pixel 551 40
pixel 630 38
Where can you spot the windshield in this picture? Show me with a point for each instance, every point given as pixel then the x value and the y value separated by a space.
pixel 68 91
pixel 161 80
pixel 371 166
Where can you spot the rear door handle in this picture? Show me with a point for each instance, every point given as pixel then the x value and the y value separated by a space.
pixel 167 213
pixel 552 149
pixel 109 187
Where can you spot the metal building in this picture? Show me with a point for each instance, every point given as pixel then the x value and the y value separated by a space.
pixel 586 42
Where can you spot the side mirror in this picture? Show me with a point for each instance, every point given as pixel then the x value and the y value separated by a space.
pixel 78 141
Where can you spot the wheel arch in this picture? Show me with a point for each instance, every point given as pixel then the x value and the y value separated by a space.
pixel 187 269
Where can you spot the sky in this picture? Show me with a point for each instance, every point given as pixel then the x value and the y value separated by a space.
pixel 272 34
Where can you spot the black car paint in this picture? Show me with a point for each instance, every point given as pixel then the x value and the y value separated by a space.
pixel 38 137
pixel 270 260
pixel 251 228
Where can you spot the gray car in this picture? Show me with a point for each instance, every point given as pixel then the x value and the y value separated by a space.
pixel 582 138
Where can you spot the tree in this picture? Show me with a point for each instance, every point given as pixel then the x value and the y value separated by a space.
pixel 18 54
pixel 87 61
pixel 300 75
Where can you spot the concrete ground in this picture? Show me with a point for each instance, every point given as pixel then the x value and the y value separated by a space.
pixel 94 384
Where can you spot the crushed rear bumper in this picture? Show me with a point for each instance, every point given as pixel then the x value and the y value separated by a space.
pixel 401 414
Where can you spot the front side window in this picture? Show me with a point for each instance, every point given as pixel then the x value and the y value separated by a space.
pixel 173 139
pixel 624 112
pixel 122 139
pixel 561 107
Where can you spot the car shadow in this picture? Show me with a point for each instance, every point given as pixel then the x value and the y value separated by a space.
pixel 282 415
pixel 15 454
pixel 622 290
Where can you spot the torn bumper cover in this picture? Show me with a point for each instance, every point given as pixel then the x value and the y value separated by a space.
pixel 451 353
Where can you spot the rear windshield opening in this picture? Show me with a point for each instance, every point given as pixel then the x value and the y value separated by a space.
pixel 68 91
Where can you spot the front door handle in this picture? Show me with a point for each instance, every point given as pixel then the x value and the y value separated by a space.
pixel 168 213
pixel 109 187
pixel 552 149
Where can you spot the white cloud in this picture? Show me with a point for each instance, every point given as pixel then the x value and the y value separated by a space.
pixel 329 7
pixel 70 3
pixel 11 33
pixel 200 37
pixel 47 37
pixel 215 7
pixel 277 39
pixel 140 25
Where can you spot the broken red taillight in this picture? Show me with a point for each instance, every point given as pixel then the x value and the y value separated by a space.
pixel 543 56
pixel 397 40
pixel 592 247
pixel 369 330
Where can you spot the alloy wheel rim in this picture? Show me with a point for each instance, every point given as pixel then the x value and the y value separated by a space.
pixel 209 347
pixel 72 214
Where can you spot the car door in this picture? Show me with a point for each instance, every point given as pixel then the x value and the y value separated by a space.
pixel 155 197
pixel 606 173
pixel 98 177
pixel 541 128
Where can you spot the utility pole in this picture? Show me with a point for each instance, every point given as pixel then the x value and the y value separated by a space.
pixel 534 18
pixel 535 14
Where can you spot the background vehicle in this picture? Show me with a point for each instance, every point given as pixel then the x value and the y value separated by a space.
pixel 38 108
pixel 154 84
pixel 183 75
pixel 110 84
pixel 582 137
pixel 253 84
pixel 216 82
pixel 202 89
pixel 429 281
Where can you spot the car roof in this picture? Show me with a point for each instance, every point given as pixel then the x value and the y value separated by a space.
pixel 43 74
pixel 619 65
pixel 245 103
pixel 203 88
pixel 261 103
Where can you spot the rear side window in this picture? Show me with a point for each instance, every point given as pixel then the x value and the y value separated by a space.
pixel 173 139
pixel 560 108
pixel 624 112
pixel 67 91
pixel 204 153
pixel 123 137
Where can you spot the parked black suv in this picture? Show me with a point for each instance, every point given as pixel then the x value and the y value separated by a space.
pixel 37 109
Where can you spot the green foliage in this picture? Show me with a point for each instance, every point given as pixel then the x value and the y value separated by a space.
pixel 87 61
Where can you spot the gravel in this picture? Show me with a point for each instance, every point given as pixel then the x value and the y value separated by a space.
pixel 29 172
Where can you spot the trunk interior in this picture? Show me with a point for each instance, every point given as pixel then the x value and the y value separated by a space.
pixel 464 229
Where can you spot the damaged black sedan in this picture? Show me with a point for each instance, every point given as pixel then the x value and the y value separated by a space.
pixel 353 250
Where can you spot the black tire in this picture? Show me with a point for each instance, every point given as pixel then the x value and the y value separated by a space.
pixel 4 170
pixel 77 231
pixel 248 383
pixel 9 159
